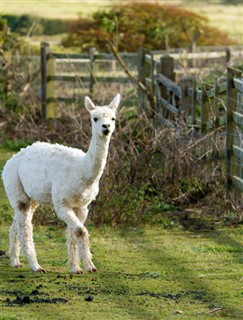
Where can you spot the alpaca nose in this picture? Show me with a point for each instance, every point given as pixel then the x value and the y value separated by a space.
pixel 106 129
pixel 106 126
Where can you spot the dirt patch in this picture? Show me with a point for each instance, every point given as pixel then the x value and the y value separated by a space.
pixel 3 253
pixel 195 295
pixel 33 297
pixel 27 300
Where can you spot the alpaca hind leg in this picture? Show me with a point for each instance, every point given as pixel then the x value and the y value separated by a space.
pixel 14 249
pixel 26 236
pixel 21 204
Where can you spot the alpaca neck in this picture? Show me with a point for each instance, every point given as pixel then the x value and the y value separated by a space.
pixel 95 158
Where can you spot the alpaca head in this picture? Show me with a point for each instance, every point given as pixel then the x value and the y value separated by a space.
pixel 103 118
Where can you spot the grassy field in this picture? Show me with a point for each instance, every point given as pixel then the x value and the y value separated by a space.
pixel 228 18
pixel 47 9
pixel 147 272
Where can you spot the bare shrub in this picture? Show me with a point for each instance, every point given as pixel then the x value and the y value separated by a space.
pixel 152 170
pixel 151 173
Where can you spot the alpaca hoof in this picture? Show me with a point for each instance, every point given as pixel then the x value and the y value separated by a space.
pixel 42 270
pixel 92 270
pixel 19 265
pixel 77 271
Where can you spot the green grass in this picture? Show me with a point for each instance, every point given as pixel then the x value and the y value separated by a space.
pixel 144 273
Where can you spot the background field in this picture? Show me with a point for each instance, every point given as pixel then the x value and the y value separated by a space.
pixel 228 17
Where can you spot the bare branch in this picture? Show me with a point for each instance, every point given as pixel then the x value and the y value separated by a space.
pixel 139 84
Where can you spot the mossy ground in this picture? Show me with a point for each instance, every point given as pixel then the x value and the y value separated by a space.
pixel 145 273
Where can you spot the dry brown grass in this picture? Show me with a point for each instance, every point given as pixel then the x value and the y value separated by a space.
pixel 151 169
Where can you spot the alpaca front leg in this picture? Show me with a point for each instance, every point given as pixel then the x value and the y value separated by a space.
pixel 14 249
pixel 73 254
pixel 26 240
pixel 84 250
pixel 82 236
pixel 84 247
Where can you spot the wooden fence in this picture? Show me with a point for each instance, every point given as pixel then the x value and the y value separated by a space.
pixel 208 107
pixel 84 76
pixel 188 98
pixel 203 106
pixel 234 141
pixel 144 63
pixel 200 105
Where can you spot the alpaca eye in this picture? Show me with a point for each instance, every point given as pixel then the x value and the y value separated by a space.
pixel 95 119
pixel 113 119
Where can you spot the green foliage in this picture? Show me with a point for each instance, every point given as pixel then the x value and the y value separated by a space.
pixel 149 25
pixel 17 74
pixel 131 206
pixel 15 145
pixel 26 23
pixel 10 45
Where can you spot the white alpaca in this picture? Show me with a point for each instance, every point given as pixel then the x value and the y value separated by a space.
pixel 66 177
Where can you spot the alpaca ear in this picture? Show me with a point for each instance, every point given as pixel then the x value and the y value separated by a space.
pixel 89 104
pixel 115 102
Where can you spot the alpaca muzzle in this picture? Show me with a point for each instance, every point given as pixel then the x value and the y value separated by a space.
pixel 106 129
pixel 106 132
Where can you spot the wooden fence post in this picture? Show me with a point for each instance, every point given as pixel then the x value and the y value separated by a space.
pixel 216 101
pixel 192 49
pixel 144 71
pixel 166 68
pixel 194 93
pixel 151 73
pixel 227 55
pixel 204 108
pixel 187 104
pixel 215 118
pixel 230 126
pixel 44 51
pixel 50 87
pixel 92 78
pixel 141 78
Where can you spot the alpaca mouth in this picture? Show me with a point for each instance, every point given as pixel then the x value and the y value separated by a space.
pixel 106 132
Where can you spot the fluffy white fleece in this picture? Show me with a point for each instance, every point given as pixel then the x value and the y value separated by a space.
pixel 66 177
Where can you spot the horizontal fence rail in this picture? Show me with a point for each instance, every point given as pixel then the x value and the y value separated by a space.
pixel 86 76
pixel 202 106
